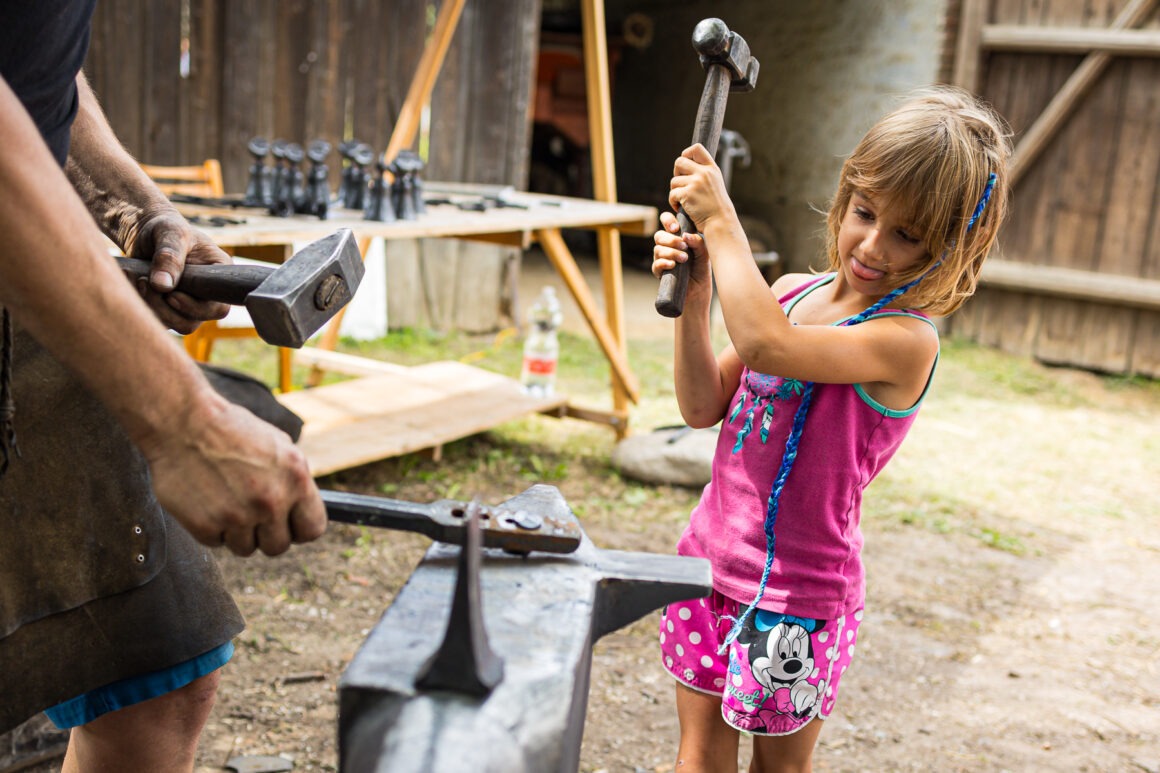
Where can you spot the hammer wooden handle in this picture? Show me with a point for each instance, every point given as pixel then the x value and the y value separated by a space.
pixel 674 283
pixel 224 283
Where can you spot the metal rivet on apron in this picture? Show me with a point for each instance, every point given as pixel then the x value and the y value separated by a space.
pixel 140 558
pixel 137 530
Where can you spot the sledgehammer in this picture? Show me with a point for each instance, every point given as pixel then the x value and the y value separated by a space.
pixel 287 304
pixel 728 67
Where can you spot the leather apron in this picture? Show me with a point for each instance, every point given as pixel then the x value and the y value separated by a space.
pixel 97 582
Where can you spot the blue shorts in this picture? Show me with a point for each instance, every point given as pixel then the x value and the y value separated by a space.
pixel 118 695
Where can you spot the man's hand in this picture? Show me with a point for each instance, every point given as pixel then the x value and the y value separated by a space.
pixel 232 479
pixel 169 242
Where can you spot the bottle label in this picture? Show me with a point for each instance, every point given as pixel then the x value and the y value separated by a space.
pixel 540 366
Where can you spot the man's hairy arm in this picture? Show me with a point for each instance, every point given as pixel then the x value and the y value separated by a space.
pixel 130 209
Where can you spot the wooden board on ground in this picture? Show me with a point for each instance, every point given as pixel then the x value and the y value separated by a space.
pixel 377 417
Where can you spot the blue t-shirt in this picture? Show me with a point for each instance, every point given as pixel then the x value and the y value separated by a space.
pixel 43 44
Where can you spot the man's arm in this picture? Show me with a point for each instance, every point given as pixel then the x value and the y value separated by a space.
pixel 135 214
pixel 226 475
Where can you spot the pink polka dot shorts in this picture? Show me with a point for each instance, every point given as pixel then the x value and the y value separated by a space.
pixel 780 672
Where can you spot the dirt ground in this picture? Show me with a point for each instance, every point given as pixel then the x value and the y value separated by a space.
pixel 1013 555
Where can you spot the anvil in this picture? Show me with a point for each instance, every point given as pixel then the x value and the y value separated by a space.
pixel 542 614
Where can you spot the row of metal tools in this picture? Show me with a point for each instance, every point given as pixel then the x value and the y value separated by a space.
pixel 284 187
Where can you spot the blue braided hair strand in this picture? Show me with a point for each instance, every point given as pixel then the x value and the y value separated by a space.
pixel 799 423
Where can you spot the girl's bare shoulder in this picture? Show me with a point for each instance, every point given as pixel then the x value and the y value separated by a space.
pixel 787 282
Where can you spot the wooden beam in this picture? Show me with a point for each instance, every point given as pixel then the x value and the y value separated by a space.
pixel 968 53
pixel 1117 290
pixel 565 265
pixel 1070 40
pixel 598 90
pixel 1053 116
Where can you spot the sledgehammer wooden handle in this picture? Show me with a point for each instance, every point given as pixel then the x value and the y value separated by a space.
pixel 728 67
pixel 221 282
pixel 675 282
pixel 707 131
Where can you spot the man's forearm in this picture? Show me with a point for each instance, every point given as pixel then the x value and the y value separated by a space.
pixel 110 182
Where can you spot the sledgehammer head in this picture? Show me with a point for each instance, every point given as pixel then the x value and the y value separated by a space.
pixel 305 292
pixel 716 45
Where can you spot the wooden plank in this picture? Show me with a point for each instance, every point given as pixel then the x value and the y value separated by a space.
pixel 159 83
pixel 598 90
pixel 389 39
pixel 202 103
pixel 968 54
pixel 439 269
pixel 423 81
pixel 247 67
pixel 406 303
pixel 1056 343
pixel 1014 321
pixel 293 59
pixel 1130 207
pixel 1070 40
pixel 1105 340
pixel 479 286
pixel 1145 359
pixel 1081 175
pixel 368 419
pixel 118 22
pixel 325 85
pixel 1071 283
pixel 346 364
pixel 1083 335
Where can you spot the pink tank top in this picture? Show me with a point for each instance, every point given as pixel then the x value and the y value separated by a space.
pixel 848 438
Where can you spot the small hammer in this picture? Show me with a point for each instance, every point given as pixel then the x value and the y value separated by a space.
pixel 728 67
pixel 287 304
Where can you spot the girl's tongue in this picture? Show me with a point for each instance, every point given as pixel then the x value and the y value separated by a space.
pixel 864 272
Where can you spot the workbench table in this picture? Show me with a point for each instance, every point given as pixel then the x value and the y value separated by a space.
pixel 388 410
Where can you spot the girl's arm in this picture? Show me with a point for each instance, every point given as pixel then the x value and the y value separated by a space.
pixel 704 383
pixel 894 351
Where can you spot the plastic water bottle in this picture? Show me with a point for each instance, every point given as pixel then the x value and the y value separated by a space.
pixel 542 347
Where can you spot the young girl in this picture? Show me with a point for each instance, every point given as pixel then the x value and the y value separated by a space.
pixel 820 383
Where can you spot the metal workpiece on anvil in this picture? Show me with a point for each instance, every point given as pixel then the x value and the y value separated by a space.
pixel 514 529
pixel 542 614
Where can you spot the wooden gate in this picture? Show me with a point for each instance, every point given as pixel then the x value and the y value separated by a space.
pixel 1077 278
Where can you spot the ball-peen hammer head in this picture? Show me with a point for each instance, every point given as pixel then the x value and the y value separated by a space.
pixel 716 45
pixel 305 292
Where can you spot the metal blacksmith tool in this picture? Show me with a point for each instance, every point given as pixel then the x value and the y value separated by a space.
pixel 543 613
pixel 510 526
pixel 287 304
pixel 259 188
pixel 728 67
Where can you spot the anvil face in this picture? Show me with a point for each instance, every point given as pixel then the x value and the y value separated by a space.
pixel 542 613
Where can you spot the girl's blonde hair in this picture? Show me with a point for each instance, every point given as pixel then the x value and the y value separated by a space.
pixel 931 158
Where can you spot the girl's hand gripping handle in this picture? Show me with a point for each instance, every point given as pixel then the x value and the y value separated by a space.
pixel 674 283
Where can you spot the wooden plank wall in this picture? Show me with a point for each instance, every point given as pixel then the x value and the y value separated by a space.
pixel 1089 202
pixel 332 69
pixel 294 69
